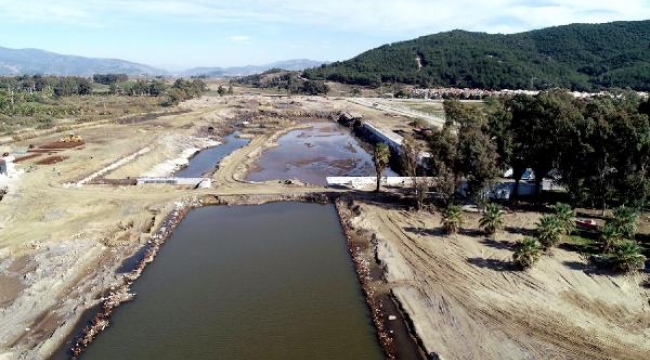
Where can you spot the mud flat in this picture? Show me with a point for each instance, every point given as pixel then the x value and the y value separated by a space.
pixel 312 153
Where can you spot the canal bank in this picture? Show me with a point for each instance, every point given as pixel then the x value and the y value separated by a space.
pixel 122 292
pixel 299 275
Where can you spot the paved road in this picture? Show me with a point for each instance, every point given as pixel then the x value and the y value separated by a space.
pixel 387 106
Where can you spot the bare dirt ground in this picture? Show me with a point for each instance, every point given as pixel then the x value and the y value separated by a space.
pixel 466 302
pixel 60 245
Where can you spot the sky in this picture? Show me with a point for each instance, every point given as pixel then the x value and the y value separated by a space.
pixel 181 34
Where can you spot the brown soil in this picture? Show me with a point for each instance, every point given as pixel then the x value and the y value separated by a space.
pixel 467 301
pixel 26 157
pixel 463 299
pixel 50 160
pixel 62 145
pixel 148 117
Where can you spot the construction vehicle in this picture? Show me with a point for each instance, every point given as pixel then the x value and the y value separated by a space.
pixel 71 138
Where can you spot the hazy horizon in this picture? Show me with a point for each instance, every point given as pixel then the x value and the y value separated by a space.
pixel 177 35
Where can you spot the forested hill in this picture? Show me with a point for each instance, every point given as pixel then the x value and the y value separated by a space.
pixel 581 57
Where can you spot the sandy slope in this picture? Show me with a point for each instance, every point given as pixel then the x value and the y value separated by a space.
pixel 467 304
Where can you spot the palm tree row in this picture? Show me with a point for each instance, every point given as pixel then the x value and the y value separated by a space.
pixel 624 256
pixel 549 232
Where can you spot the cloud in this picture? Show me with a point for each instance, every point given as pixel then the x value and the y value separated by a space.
pixel 360 16
pixel 239 38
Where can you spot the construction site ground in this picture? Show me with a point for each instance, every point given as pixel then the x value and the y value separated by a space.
pixel 61 244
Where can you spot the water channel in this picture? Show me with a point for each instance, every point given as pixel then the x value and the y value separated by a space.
pixel 249 282
pixel 206 160
pixel 310 155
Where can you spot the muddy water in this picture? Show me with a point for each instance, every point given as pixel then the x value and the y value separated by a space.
pixel 310 155
pixel 265 282
pixel 206 160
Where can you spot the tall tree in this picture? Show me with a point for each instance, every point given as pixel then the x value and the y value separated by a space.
pixel 444 162
pixel 477 159
pixel 410 155
pixel 380 157
pixel 544 125
pixel 463 150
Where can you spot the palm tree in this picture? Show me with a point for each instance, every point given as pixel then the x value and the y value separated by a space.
pixel 610 236
pixel 628 257
pixel 452 219
pixel 625 220
pixel 527 252
pixel 564 214
pixel 549 231
pixel 492 219
pixel 380 157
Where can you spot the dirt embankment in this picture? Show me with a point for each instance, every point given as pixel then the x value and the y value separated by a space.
pixel 466 302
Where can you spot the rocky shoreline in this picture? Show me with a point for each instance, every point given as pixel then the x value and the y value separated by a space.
pixel 122 293
pixel 384 307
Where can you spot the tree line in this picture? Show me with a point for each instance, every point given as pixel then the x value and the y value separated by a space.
pixel 39 95
pixel 597 148
pixel 284 81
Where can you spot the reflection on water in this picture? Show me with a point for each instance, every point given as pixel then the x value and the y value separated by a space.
pixel 310 155
pixel 265 282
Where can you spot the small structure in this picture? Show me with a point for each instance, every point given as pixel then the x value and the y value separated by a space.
pixel 7 165
pixel 390 138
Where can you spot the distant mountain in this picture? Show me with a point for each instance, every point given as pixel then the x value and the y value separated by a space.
pixel 579 56
pixel 293 65
pixel 33 61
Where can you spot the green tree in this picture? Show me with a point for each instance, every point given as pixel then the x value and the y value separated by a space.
pixel 463 149
pixel 477 158
pixel 609 237
pixel 527 253
pixel 380 157
pixel 452 219
pixel 627 257
pixel 409 158
pixel 492 219
pixel 444 162
pixel 564 214
pixel 625 221
pixel 549 231
pixel 544 124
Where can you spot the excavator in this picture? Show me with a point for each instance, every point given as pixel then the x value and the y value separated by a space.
pixel 71 138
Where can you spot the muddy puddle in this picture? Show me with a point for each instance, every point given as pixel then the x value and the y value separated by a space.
pixel 247 282
pixel 206 161
pixel 310 155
